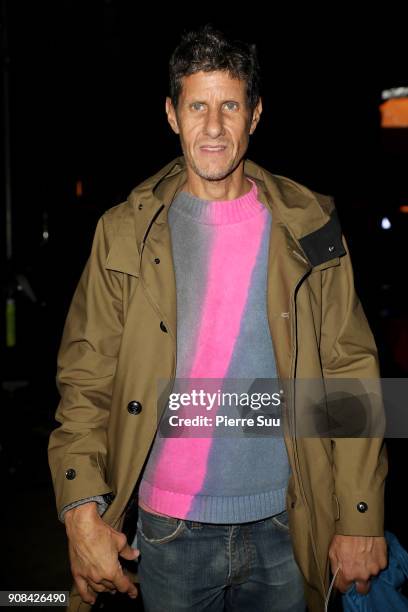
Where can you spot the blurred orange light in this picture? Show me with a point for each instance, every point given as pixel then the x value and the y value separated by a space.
pixel 394 113
pixel 404 208
pixel 79 189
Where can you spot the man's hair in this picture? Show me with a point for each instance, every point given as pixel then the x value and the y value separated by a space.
pixel 207 49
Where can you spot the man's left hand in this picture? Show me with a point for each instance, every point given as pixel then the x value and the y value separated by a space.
pixel 359 558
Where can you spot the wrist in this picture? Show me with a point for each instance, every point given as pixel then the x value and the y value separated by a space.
pixel 85 511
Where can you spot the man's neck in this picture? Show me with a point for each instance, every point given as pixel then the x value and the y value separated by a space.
pixel 225 189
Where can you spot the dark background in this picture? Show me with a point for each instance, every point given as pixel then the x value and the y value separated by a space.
pixel 88 81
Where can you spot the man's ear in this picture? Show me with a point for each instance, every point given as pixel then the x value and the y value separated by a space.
pixel 256 115
pixel 171 115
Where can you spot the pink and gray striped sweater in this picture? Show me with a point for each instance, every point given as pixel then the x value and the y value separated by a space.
pixel 220 253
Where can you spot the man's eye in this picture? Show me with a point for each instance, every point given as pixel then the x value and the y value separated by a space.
pixel 197 105
pixel 231 105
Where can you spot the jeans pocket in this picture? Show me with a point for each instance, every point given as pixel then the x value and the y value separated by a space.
pixel 157 529
pixel 281 521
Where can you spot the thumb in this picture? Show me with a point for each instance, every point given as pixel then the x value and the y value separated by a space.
pixel 129 553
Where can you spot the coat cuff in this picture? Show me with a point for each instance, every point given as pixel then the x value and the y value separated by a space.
pixel 360 513
pixel 76 476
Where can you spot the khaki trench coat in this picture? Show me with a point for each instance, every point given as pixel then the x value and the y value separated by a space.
pixel 120 337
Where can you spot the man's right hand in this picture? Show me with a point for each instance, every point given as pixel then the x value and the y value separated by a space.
pixel 93 550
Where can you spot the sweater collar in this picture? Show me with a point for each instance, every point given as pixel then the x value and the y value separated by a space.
pixel 218 212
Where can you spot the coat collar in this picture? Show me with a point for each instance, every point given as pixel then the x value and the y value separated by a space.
pixel 297 207
pixel 309 218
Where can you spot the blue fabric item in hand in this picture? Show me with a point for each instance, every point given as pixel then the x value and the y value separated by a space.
pixel 384 594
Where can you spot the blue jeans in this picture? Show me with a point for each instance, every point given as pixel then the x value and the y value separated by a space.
pixel 189 566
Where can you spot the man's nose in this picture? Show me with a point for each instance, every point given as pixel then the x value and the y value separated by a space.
pixel 214 123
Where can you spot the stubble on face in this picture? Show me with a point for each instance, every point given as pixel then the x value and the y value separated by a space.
pixel 207 172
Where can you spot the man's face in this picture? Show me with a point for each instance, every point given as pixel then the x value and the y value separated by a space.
pixel 214 122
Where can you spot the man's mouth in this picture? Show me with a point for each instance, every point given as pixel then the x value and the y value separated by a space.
pixel 212 148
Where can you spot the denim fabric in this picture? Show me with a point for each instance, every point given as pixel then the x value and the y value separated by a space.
pixel 190 566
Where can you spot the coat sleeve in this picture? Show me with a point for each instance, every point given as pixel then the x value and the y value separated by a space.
pixel 348 351
pixel 87 359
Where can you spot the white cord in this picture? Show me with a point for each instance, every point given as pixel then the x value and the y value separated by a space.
pixel 326 602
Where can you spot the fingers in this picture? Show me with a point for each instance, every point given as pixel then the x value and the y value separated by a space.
pixel 88 589
pixel 97 586
pixel 124 549
pixel 360 558
pixel 125 585
pixel 82 586
pixel 95 578
pixel 129 553
pixel 109 585
pixel 343 584
pixel 362 586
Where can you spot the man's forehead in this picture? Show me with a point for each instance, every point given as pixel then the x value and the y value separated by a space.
pixel 212 83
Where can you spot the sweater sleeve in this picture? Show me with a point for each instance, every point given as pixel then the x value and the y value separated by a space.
pixel 101 505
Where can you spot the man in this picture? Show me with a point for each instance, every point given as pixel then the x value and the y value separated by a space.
pixel 214 268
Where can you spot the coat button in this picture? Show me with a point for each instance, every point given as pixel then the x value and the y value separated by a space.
pixel 362 507
pixel 163 327
pixel 70 474
pixel 134 407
